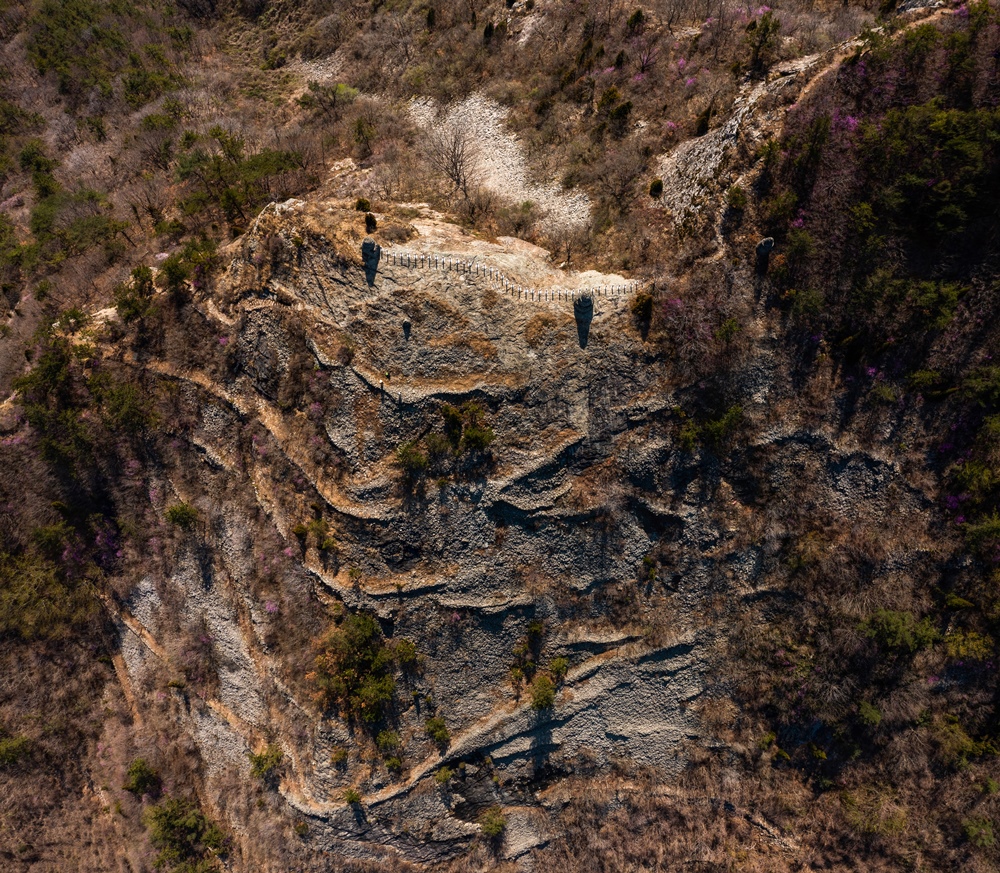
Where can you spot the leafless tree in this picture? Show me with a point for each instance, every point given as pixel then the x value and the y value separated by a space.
pixel 148 199
pixel 616 177
pixel 646 52
pixel 452 151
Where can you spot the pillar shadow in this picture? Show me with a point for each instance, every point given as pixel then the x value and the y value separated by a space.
pixel 764 248
pixel 583 312
pixel 371 251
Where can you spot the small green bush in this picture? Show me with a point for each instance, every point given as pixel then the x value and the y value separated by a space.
pixel 438 447
pixel 656 188
pixel 437 730
pixel 955 746
pixel 141 778
pixel 728 330
pixel 477 438
pixel 869 714
pixel 969 645
pixel 559 667
pixel 543 693
pixel 718 432
pixel 13 749
pixel 363 204
pixel 493 822
pixel 688 436
pixel 353 669
pixel 443 775
pixel 388 741
pixel 405 653
pixel 736 198
pixel 265 765
pixel 900 631
pixel 352 796
pixel 184 837
pixel 979 832
pixel 411 460
pixel 182 514
pixel 133 300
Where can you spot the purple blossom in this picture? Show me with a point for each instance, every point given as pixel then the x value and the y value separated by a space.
pixel 287 552
pixel 959 519
pixel 681 63
pixel 763 10
pixel 690 82
pixel 223 340
pixel 270 607
pixel 106 543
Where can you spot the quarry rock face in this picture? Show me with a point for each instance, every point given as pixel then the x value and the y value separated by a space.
pixel 534 551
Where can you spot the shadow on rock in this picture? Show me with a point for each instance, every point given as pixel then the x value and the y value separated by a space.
pixel 370 253
pixel 542 743
pixel 583 312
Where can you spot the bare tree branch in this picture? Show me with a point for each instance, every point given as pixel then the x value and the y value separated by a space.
pixel 452 151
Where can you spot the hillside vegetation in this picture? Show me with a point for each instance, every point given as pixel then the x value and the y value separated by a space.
pixel 309 560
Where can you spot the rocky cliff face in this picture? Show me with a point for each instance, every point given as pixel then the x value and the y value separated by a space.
pixel 586 531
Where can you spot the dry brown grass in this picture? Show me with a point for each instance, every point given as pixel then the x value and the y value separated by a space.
pixel 539 328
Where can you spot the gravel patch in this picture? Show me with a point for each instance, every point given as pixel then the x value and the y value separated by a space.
pixel 690 169
pixel 499 160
